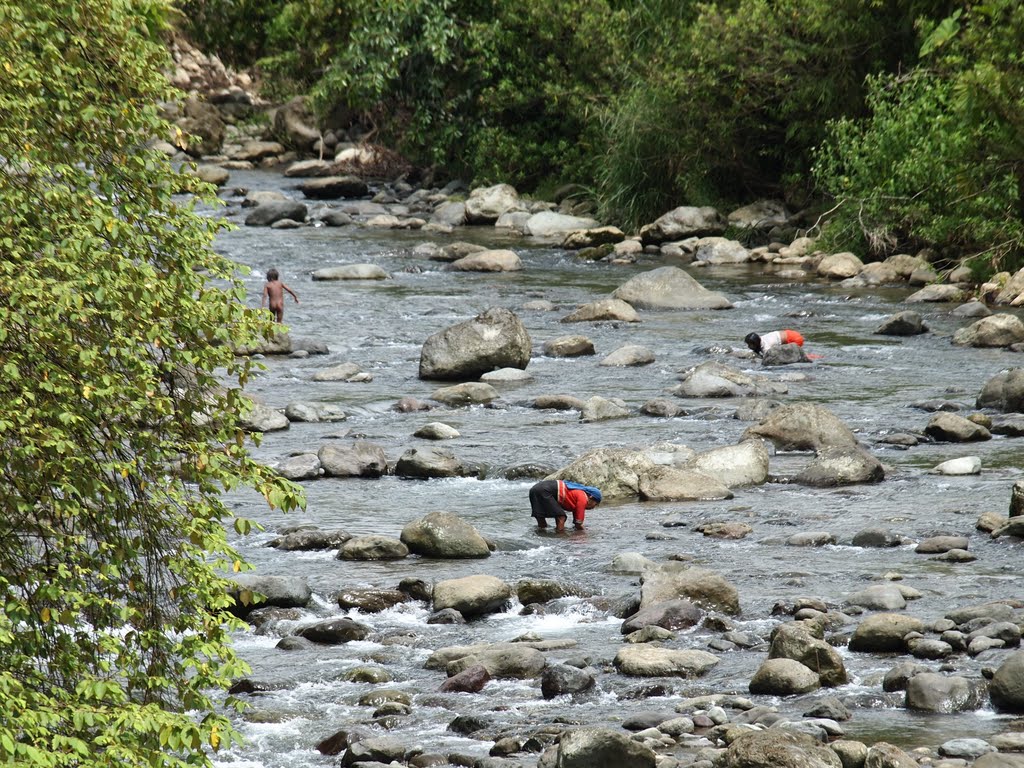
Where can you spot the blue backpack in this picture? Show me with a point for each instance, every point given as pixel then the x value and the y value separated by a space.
pixel 591 491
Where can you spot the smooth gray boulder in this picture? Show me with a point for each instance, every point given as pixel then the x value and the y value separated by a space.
pixel 653 661
pixel 271 212
pixel 906 323
pixel 669 288
pixel 701 586
pixel 603 309
pixel 1006 690
pixel 357 459
pixel 683 222
pixel 1004 392
pixel 373 547
pixel 932 692
pixel 601 748
pixel 953 428
pixel 803 427
pixel 251 591
pixel 783 677
pixel 715 379
pixel 775 748
pixel 472 595
pixel 430 462
pixel 834 467
pixel 1000 330
pixel 444 535
pixel 493 339
pixel 884 632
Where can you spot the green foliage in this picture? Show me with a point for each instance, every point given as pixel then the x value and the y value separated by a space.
pixel 236 29
pixel 735 109
pixel 117 437
pixel 940 160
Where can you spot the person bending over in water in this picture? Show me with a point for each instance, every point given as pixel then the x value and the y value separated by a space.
pixel 761 344
pixel 274 290
pixel 553 498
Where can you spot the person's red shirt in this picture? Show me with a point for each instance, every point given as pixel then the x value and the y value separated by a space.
pixel 573 501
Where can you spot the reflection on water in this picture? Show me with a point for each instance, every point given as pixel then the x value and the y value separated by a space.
pixel 868 381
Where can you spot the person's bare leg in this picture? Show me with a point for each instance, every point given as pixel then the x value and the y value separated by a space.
pixel 541 522
pixel 559 524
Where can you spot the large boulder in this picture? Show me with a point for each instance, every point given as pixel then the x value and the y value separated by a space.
pixel 794 641
pixel 775 748
pixel 803 427
pixel 667 614
pixel 669 288
pixel 358 459
pixel 663 483
pixel 491 260
pixel 651 661
pixel 932 692
pixel 783 677
pixel 834 467
pixel 603 309
pixel 293 124
pixel 745 463
pixel 265 214
pixel 616 471
pixel 953 428
pixel 334 187
pixel 715 379
pixel 602 748
pixel 884 632
pixel 554 224
pixel 472 595
pixel 1007 687
pixel 442 534
pixel 1000 330
pixel 502 661
pixel 430 462
pixel 251 591
pixel 486 204
pixel 1004 392
pixel 682 222
pixel 493 339
pixel 701 586
pixel 202 129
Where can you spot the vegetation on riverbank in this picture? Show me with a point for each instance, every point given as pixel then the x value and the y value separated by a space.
pixel 120 407
pixel 899 117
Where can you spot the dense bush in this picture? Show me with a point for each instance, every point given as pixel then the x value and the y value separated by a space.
pixel 940 160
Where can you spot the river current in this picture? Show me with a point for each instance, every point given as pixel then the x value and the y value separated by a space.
pixel 869 381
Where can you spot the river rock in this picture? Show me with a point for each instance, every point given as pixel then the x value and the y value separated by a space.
pixel 595 747
pixel 273 211
pixel 212 174
pixel 715 379
pixel 669 288
pixel 703 587
pixel 884 632
pixel 497 260
pixel 312 413
pixel 503 661
pixel 373 547
pixel 630 355
pixel 953 428
pixel 878 597
pixel 554 224
pixel 884 755
pixel 603 309
pixel 592 238
pixel 264 419
pixel 444 535
pixel 662 483
pixel 569 346
pixel 965 465
pixel 774 748
pixel 907 323
pixel 472 596
pixel 495 338
pixel 485 204
pixel 1011 425
pixel 839 266
pixel 745 463
pixel 304 466
pixel 1006 690
pixel 436 430
pixel 340 372
pixel 968 749
pixel 932 692
pixel 430 462
pixel 784 354
pixel 558 403
pixel 938 292
pixel 651 661
pixel 250 591
pixel 350 272
pixel 667 614
pixel 662 407
pixel 374 749
pixel 1000 330
pixel 469 393
pixel 783 677
pixel 359 459
pixel 682 222
pixel 794 641
pixel 601 408
pixel 811 539
pixel 877 538
pixel 720 250
pixel 1004 392
pixel 559 679
pixel 803 427
pixel 833 467
pixel 616 471
pixel 309 539
pixel 451 214
pixel 370 600
pixel 470 680
pixel 334 631
pixel 935 545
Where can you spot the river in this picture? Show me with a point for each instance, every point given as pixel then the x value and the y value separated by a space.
pixel 869 381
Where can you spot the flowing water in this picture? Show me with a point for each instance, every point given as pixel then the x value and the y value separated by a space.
pixel 869 381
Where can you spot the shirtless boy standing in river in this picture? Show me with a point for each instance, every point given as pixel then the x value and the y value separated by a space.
pixel 274 290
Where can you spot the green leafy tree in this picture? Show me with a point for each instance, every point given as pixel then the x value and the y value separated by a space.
pixel 939 161
pixel 736 107
pixel 117 438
